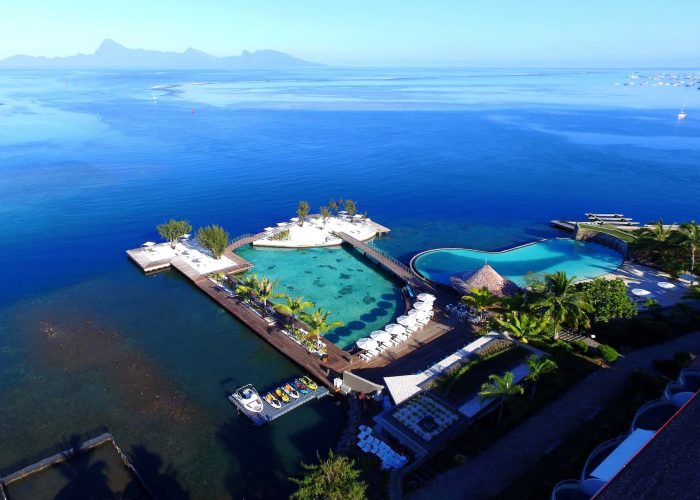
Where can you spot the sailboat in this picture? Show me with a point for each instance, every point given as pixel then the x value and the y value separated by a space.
pixel 681 115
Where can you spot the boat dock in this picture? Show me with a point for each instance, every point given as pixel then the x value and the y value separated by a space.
pixel 269 413
pixel 615 221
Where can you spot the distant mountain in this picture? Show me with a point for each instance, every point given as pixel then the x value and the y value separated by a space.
pixel 110 54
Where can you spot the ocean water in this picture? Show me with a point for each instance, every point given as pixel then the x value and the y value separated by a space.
pixel 578 259
pixel 444 157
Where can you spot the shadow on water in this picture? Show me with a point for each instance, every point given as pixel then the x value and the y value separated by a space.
pixel 160 478
pixel 256 470
pixel 86 479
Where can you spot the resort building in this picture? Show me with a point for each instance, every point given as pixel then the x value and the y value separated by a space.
pixel 659 454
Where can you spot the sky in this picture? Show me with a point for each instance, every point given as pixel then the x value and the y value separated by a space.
pixel 563 33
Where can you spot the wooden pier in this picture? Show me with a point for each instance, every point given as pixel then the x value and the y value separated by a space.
pixel 387 262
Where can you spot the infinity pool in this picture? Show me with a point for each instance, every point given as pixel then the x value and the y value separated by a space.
pixel 336 279
pixel 576 258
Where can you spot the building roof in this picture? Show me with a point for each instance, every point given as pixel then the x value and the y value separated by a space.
pixel 484 277
pixel 667 466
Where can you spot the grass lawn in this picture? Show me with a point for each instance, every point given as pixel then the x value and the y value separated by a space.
pixel 627 236
pixel 567 460
pixel 470 382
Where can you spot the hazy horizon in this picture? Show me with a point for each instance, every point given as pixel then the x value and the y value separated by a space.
pixel 543 33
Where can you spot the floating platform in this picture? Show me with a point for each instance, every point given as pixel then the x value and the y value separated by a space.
pixel 269 413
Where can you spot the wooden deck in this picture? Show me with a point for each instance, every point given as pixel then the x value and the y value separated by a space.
pixel 324 372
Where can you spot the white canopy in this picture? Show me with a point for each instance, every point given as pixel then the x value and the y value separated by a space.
pixel 281 224
pixel 343 212
pixel 186 236
pixel 666 285
pixel 640 292
pixel 395 329
pixel 406 320
pixel 367 344
pixel 294 219
pixel 412 312
pixel 270 229
pixel 423 306
pixel 622 454
pixel 148 244
pixel 426 297
pixel 380 335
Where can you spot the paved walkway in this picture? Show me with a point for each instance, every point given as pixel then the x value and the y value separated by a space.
pixel 493 470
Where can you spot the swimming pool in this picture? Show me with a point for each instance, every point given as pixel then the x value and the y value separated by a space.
pixel 335 279
pixel 576 258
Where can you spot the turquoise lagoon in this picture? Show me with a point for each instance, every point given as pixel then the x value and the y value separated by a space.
pixel 576 258
pixel 338 280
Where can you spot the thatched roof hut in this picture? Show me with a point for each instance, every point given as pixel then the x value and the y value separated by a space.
pixel 487 277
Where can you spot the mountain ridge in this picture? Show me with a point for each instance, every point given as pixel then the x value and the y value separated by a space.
pixel 111 54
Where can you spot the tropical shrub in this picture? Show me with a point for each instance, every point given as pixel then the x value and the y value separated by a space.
pixel 609 354
pixel 334 478
pixel 214 238
pixel 350 207
pixel 580 346
pixel 608 298
pixel 280 235
pixel 302 211
pixel 172 230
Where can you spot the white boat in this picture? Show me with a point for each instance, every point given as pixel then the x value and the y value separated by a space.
pixel 681 115
pixel 249 398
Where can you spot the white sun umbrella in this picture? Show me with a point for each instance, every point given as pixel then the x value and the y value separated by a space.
pixel 423 306
pixel 412 312
pixel 426 297
pixel 294 219
pixel 270 228
pixel 367 344
pixel 422 315
pixel 380 335
pixel 148 244
pixel 186 236
pixel 282 224
pixel 395 329
pixel 406 320
pixel 666 285
pixel 640 292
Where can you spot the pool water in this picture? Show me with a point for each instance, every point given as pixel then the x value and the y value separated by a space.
pixel 338 280
pixel 576 258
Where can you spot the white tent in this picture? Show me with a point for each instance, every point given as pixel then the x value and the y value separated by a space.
pixel 423 306
pixel 666 285
pixel 395 329
pixel 380 335
pixel 148 244
pixel 426 297
pixel 406 320
pixel 367 344
pixel 640 292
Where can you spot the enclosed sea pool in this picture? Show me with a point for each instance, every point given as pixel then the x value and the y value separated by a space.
pixel 342 281
pixel 583 260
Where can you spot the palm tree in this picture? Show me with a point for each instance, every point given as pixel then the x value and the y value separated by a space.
pixel 689 236
pixel 563 303
pixel 692 293
pixel 266 290
pixel 523 325
pixel 248 287
pixel 502 388
pixel 656 232
pixel 482 300
pixel 325 214
pixel 333 205
pixel 318 323
pixel 538 367
pixel 516 302
pixel 293 307
pixel 302 211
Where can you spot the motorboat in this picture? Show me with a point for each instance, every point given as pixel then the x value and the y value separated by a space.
pixel 272 400
pixel 291 391
pixel 248 397
pixel 301 387
pixel 281 395
pixel 308 383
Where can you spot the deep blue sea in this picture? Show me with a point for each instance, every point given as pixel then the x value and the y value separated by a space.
pixel 91 161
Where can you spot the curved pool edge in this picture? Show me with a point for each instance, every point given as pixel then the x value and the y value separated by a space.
pixel 420 275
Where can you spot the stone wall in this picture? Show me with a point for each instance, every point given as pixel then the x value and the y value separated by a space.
pixel 605 239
